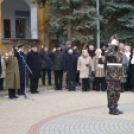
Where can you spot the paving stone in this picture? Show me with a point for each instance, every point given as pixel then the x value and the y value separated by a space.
pixel 97 125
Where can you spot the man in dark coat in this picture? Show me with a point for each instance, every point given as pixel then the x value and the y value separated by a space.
pixel 67 47
pixel 77 54
pixel 46 63
pixel 57 60
pixel 70 67
pixel 21 56
pixel 33 61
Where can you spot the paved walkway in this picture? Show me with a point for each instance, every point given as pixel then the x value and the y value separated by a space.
pixel 63 112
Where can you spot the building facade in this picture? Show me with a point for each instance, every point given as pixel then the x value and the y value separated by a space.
pixel 22 22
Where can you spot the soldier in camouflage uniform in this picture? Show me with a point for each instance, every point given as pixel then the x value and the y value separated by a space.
pixel 113 77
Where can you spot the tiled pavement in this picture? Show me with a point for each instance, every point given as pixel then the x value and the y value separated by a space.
pixel 63 112
pixel 77 124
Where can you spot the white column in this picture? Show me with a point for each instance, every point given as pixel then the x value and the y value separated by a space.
pixel 33 9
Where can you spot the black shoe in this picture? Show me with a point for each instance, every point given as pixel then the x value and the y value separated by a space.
pixel 11 97
pixel 37 92
pixel 79 84
pixel 21 94
pixel 74 89
pixel 15 97
pixel 88 89
pixel 60 89
pixel 69 89
pixel 103 90
pixel 110 110
pixel 32 92
pixel 117 111
pixel 56 89
pixel 66 87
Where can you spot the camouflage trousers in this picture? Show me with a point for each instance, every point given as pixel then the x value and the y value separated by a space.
pixel 113 93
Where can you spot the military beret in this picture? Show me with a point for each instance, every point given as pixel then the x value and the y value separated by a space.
pixel 33 45
pixel 21 46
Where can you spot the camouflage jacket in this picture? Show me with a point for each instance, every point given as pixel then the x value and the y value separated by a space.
pixel 113 72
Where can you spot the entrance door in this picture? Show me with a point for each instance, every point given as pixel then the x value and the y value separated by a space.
pixel 7 28
pixel 20 28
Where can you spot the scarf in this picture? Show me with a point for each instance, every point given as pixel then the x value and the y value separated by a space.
pixel 84 57
pixel 128 55
pixel 100 60
pixel 91 53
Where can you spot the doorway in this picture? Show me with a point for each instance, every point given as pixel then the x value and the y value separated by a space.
pixel 20 28
pixel 7 28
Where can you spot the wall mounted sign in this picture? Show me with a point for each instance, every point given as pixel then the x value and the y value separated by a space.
pixel 22 13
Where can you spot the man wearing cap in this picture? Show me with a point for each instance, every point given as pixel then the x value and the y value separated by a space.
pixel 33 61
pixel 67 46
pixel 57 61
pixel 21 56
pixel 113 76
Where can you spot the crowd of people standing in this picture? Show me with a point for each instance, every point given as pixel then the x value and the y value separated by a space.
pixel 17 67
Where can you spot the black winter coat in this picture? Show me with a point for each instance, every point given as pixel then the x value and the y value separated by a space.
pixel 23 70
pixel 70 66
pixel 131 72
pixel 33 61
pixel 57 60
pixel 46 61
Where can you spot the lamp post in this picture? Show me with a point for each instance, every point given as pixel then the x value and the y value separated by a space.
pixel 98 24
